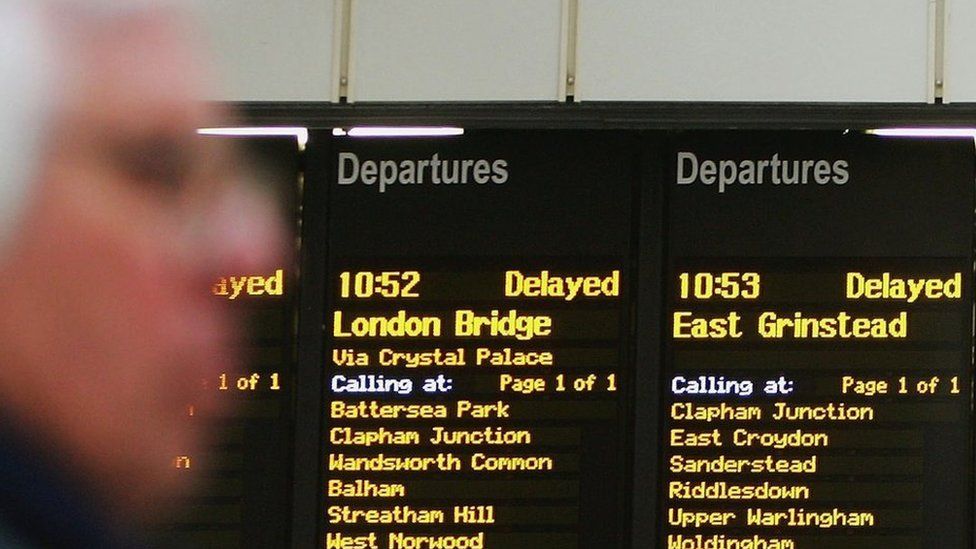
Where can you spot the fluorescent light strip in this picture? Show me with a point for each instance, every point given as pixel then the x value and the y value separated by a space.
pixel 301 134
pixel 924 132
pixel 398 131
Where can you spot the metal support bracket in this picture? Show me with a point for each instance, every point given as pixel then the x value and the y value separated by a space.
pixel 938 31
pixel 341 44
pixel 567 50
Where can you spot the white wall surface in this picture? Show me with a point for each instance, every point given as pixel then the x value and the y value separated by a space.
pixel 271 50
pixel 455 50
pixel 637 50
pixel 960 81
pixel 754 50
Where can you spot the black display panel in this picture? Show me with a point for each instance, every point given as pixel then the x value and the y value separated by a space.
pixel 477 366
pixel 538 339
pixel 817 342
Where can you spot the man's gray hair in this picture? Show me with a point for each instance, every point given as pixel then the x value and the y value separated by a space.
pixel 29 88
pixel 27 93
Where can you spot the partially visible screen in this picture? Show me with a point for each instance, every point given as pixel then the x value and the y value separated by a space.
pixel 242 484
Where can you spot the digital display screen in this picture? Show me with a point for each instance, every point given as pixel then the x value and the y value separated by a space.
pixel 478 370
pixel 818 343
pixel 241 485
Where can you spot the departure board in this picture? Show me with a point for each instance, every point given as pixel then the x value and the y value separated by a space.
pixel 817 364
pixel 607 339
pixel 477 371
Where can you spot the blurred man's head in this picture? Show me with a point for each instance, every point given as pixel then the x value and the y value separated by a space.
pixel 123 220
